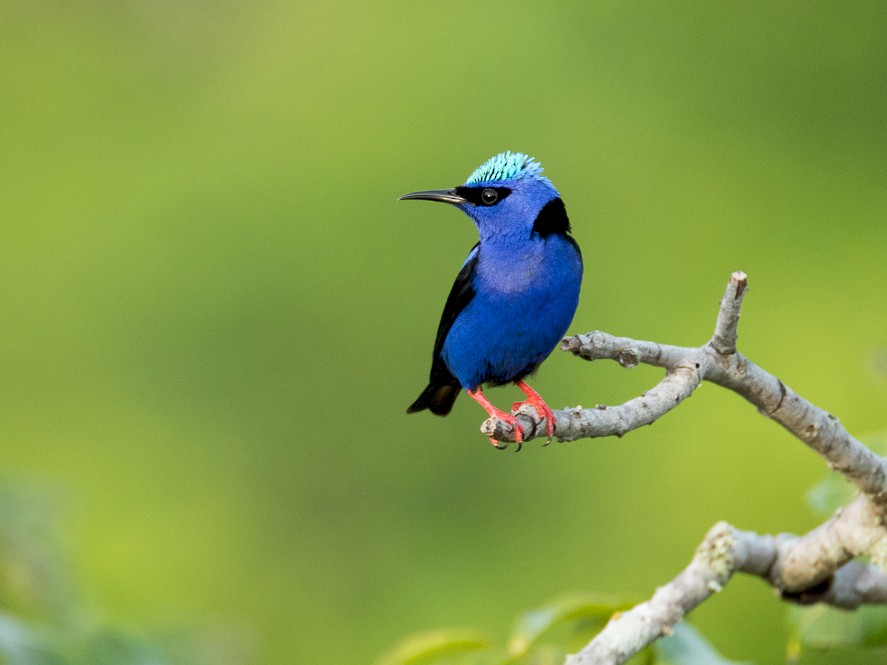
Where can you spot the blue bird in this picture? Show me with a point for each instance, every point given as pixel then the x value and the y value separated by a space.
pixel 516 293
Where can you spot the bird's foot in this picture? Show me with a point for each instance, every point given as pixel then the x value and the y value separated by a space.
pixel 515 427
pixel 478 396
pixel 542 409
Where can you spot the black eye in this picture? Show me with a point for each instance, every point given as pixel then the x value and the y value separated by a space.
pixel 489 196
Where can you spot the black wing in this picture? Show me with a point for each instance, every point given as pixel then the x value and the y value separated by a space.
pixel 443 387
pixel 460 295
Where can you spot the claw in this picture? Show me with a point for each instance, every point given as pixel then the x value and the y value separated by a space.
pixel 542 409
pixel 478 396
pixel 498 445
pixel 516 429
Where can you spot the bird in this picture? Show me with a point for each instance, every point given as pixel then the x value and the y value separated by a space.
pixel 516 294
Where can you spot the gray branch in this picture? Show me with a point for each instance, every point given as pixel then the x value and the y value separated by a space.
pixel 819 566
pixel 723 552
pixel 716 361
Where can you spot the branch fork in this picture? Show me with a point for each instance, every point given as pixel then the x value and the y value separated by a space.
pixel 819 566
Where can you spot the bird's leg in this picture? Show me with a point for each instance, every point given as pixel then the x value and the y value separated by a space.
pixel 478 396
pixel 536 401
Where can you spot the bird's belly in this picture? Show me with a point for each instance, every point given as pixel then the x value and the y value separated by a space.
pixel 503 334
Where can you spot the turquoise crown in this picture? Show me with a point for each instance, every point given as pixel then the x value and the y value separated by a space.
pixel 505 166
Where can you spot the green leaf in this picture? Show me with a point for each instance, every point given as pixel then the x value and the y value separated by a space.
pixel 687 647
pixel 840 656
pixel 821 627
pixel 829 494
pixel 24 645
pixel 874 625
pixel 434 645
pixel 594 608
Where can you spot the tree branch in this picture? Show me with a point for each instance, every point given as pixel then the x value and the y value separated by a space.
pixel 725 551
pixel 716 361
pixel 815 567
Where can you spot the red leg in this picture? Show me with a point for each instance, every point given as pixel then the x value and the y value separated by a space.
pixel 478 396
pixel 536 401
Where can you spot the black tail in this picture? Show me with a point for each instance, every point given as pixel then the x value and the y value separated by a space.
pixel 439 399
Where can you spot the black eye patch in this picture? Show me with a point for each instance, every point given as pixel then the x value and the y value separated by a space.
pixel 483 196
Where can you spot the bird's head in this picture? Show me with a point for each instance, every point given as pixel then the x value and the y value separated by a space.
pixel 504 196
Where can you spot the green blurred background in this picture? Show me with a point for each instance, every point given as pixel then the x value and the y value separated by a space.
pixel 215 313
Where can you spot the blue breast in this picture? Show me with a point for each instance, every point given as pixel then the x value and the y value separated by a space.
pixel 525 298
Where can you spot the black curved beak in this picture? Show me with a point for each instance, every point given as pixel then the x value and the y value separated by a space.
pixel 442 195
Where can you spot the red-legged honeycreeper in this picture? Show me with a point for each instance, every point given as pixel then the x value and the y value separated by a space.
pixel 516 293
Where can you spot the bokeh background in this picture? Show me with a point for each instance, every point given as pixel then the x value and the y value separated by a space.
pixel 214 313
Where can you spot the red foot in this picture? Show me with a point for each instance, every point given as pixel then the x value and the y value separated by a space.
pixel 536 401
pixel 478 396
